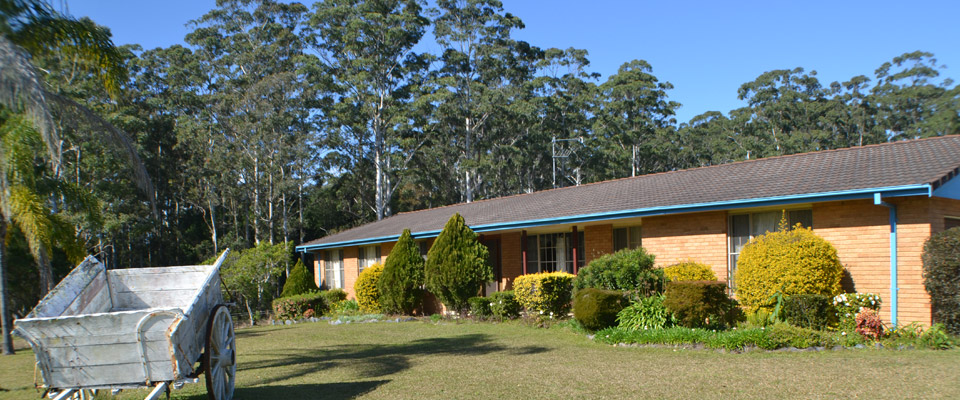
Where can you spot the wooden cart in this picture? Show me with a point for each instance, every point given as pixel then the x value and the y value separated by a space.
pixel 133 328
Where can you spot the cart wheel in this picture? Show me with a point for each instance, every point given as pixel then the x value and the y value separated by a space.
pixel 220 356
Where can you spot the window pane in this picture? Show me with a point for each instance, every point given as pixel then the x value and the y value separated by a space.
pixel 620 241
pixel 802 217
pixel 362 258
pixel 739 232
pixel 764 222
pixel 635 237
pixel 532 249
pixel 328 269
pixel 949 223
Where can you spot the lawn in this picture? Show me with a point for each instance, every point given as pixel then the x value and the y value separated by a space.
pixel 414 360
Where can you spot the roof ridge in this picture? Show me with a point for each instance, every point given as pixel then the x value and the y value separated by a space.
pixel 756 160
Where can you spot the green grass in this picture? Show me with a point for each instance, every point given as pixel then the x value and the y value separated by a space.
pixel 415 360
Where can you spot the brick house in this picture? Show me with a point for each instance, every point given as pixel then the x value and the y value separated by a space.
pixel 876 204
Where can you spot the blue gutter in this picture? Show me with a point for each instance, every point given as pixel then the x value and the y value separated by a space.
pixel 890 191
pixel 877 199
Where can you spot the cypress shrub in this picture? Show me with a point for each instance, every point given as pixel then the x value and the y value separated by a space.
pixel 504 305
pixel 401 284
pixel 596 309
pixel 457 265
pixel 299 282
pixel 689 271
pixel 811 311
pixel 546 293
pixel 701 304
pixel 626 270
pixel 367 290
pixel 941 267
pixel 788 262
pixel 480 307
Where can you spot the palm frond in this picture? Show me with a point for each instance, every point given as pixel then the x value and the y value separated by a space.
pixel 21 90
pixel 112 137
pixel 65 235
pixel 33 218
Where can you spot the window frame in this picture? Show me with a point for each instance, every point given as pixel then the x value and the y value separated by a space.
pixel 363 259
pixel 633 237
pixel 558 262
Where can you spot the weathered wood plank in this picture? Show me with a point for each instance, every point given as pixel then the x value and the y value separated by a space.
pixel 170 278
pixel 179 298
pixel 101 324
pixel 95 298
pixel 101 375
pixel 57 301
pixel 108 354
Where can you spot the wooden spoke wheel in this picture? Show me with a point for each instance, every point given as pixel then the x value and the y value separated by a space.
pixel 220 357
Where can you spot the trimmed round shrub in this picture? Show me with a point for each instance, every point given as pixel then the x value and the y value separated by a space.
pixel 401 284
pixel 811 311
pixel 366 288
pixel 296 306
pixel 689 271
pixel 626 270
pixel 869 324
pixel 333 297
pixel 457 265
pixel 790 262
pixel 701 304
pixel 646 313
pixel 941 267
pixel 480 307
pixel 504 305
pixel 299 281
pixel 545 293
pixel 596 309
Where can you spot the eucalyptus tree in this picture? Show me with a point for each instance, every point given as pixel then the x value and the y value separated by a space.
pixel 367 49
pixel 481 69
pixel 28 29
pixel 634 123
pixel 257 121
pixel 912 100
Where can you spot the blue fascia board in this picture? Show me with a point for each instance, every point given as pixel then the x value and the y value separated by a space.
pixel 856 194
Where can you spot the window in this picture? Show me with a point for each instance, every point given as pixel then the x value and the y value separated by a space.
pixel 627 238
pixel 950 222
pixel 553 252
pixel 744 227
pixel 368 256
pixel 333 269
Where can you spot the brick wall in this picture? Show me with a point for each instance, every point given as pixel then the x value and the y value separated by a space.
pixel 860 231
pixel 941 208
pixel 597 241
pixel 699 237
pixel 511 259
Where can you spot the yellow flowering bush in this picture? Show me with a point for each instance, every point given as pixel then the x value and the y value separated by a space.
pixel 547 293
pixel 689 271
pixel 367 290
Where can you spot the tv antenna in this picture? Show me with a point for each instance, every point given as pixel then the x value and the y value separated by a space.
pixel 565 152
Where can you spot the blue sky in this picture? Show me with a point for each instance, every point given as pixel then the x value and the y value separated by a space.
pixel 705 49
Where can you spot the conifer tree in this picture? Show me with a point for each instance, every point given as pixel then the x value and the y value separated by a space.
pixel 457 265
pixel 401 284
pixel 299 281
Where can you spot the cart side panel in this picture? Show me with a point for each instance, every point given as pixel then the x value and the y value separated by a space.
pixel 139 288
pixel 66 296
pixel 101 349
pixel 189 337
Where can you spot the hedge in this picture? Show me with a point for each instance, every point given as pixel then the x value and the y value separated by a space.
pixel 547 293
pixel 941 267
pixel 596 309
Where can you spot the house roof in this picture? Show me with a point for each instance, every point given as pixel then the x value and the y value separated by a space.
pixel 907 168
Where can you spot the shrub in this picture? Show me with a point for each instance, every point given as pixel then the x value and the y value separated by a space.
pixel 941 267
pixel 401 284
pixel 626 270
pixel 299 281
pixel 811 311
pixel 936 338
pixel 295 307
pixel 697 304
pixel 309 313
pixel 347 307
pixel 545 293
pixel 367 290
pixel 480 307
pixel 596 309
pixel 457 265
pixel 689 271
pixel 645 313
pixel 504 305
pixel 785 335
pixel 789 262
pixel 848 305
pixel 869 324
pixel 333 297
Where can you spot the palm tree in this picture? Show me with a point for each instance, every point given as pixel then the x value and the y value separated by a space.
pixel 29 28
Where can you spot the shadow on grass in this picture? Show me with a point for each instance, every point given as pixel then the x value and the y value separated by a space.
pixel 371 361
pixel 340 390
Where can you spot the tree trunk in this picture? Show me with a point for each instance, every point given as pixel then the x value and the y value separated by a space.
pixel 5 322
pixel 213 226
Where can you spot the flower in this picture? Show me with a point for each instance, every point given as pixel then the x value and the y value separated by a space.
pixel 843 334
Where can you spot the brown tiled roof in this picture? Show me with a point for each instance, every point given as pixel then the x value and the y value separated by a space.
pixel 852 172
